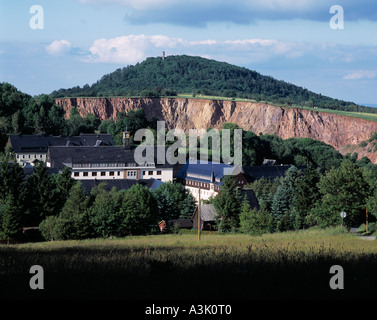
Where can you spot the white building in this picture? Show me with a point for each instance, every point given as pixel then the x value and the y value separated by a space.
pixel 105 163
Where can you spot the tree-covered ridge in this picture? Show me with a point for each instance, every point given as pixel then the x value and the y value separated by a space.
pixel 184 74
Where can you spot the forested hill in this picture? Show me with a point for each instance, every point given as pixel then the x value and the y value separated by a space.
pixel 156 77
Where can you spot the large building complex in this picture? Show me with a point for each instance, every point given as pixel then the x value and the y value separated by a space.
pixel 30 149
pixel 104 163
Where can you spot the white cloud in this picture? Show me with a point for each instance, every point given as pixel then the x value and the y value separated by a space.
pixel 361 74
pixel 59 47
pixel 128 49
pixel 135 48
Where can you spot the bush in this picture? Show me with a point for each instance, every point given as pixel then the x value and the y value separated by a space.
pixel 255 221
pixel 46 227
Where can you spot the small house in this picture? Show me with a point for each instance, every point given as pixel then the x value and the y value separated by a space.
pixel 208 217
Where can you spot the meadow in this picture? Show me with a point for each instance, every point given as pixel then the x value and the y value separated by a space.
pixel 290 265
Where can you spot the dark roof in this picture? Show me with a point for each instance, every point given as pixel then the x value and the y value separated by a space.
pixel 120 184
pixel 268 172
pixel 59 157
pixel 207 212
pixel 203 171
pixel 94 139
pixel 40 143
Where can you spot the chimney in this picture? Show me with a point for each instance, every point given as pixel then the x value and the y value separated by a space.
pixel 163 55
pixel 126 140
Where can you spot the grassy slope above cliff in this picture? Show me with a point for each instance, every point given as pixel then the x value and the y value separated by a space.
pixel 195 75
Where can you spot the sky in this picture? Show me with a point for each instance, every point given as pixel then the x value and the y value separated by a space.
pixel 326 46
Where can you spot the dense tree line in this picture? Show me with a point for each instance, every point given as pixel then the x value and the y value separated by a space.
pixel 62 209
pixel 299 200
pixel 155 77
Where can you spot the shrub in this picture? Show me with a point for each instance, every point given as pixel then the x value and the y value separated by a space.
pixel 46 227
pixel 255 221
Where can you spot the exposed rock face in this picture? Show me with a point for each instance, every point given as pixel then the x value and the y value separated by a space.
pixel 338 131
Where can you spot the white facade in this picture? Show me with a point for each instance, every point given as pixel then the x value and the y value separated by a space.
pixel 205 193
pixel 107 173
pixel 26 158
pixel 106 163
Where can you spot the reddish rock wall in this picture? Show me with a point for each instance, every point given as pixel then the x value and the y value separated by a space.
pixel 338 131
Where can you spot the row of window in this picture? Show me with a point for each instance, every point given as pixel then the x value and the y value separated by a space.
pixel 202 192
pixel 112 165
pixel 130 173
pixel 94 174
pixel 29 156
pixel 150 173
pixel 198 184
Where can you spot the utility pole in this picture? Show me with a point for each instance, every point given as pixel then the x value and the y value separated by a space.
pixel 366 224
pixel 199 216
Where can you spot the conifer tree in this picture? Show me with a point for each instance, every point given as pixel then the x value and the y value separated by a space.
pixel 140 211
pixel 284 199
pixel 73 220
pixel 41 195
pixel 228 205
pixel 105 213
pixel 11 218
pixel 306 196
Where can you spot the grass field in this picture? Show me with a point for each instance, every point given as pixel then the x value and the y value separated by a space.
pixel 220 266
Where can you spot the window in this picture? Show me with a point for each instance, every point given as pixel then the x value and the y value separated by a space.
pixel 150 173
pixel 85 174
pixel 111 173
pixel 158 173
pixel 103 173
pixel 131 174
pixel 76 174
pixel 94 174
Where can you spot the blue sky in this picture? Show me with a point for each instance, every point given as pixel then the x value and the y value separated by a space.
pixel 288 39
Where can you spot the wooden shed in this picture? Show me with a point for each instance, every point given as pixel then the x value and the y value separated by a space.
pixel 208 216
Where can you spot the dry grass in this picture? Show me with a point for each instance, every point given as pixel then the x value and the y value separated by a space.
pixel 285 265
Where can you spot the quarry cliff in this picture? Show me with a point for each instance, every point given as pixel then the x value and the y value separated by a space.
pixel 341 132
